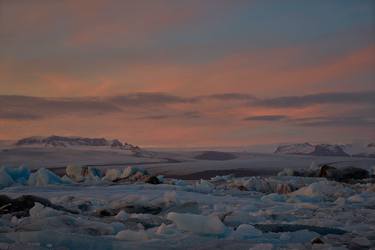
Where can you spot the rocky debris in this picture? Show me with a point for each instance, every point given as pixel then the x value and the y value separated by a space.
pixel 21 206
pixel 116 144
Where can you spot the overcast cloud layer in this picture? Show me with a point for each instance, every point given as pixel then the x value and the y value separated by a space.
pixel 188 73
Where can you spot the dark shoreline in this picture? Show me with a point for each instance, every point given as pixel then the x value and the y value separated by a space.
pixel 238 172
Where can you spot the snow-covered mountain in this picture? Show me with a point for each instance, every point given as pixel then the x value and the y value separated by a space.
pixel 353 150
pixel 75 141
pixel 310 149
pixel 360 150
pixel 300 148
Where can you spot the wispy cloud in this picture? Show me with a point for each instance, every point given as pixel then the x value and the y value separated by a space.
pixel 268 118
pixel 13 107
pixel 367 97
pixel 184 115
pixel 318 121
pixel 231 96
pixel 157 105
pixel 18 116
pixel 145 99
pixel 27 107
pixel 335 121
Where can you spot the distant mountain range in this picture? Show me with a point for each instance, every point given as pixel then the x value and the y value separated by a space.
pixel 75 141
pixel 352 150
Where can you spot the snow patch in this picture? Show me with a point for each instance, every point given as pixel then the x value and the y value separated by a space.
pixel 130 235
pixel 199 224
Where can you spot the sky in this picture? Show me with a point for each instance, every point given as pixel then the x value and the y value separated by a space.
pixel 189 73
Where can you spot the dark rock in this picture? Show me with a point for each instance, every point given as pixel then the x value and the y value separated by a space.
pixel 343 174
pixel 153 180
pixel 22 205
pixel 105 212
pixel 243 188
pixel 84 207
pixel 354 173
pixel 317 241
pixel 327 171
pixel 136 209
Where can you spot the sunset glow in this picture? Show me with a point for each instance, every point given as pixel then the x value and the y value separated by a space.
pixel 188 73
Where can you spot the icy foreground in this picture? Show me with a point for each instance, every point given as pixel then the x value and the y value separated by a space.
pixel 119 210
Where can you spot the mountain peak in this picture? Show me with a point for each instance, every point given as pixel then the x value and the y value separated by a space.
pixel 74 141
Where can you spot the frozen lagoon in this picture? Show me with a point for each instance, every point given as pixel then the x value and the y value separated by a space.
pixel 225 212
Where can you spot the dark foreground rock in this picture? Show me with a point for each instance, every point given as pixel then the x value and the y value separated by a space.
pixel 21 206
pixel 280 228
pixel 153 180
pixel 344 174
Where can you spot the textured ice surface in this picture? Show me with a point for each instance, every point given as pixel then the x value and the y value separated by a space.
pixel 44 177
pixel 206 225
pixel 224 212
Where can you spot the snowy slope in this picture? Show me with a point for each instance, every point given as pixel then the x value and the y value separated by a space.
pixel 309 149
pixel 74 141
pixel 360 150
pixel 300 148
